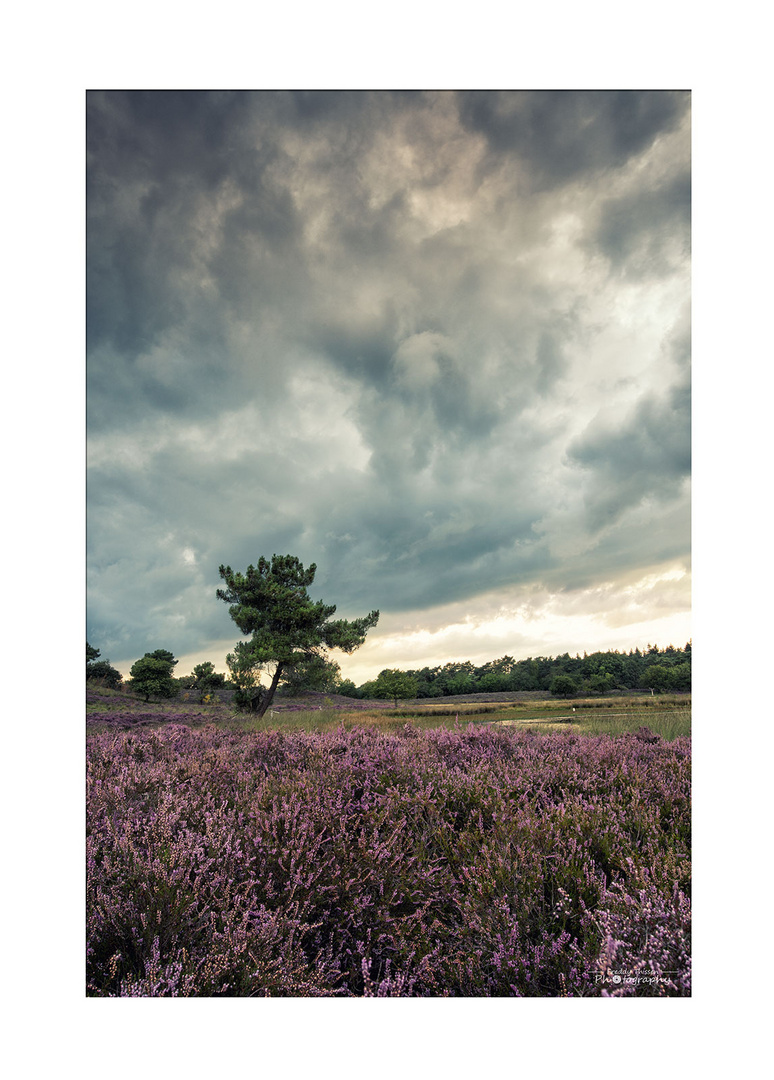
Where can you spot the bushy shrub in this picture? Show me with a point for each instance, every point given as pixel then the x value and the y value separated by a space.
pixel 474 862
pixel 207 680
pixel 101 671
pixel 564 686
pixel 394 684
pixel 151 676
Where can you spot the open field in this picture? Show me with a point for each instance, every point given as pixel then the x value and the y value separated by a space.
pixel 522 851
pixel 484 861
pixel 667 715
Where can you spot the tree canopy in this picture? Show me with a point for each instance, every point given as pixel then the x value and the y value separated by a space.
pixel 271 603
pixel 206 680
pixel 313 673
pixel 564 686
pixel 152 675
pixel 666 669
pixel 393 683
pixel 101 670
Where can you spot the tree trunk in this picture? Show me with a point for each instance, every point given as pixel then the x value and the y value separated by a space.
pixel 269 695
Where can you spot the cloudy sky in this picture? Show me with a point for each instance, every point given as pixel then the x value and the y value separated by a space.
pixel 437 343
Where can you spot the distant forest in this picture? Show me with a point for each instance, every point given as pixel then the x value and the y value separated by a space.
pixel 659 670
pixel 656 669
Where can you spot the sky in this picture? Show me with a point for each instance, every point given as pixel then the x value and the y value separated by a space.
pixel 437 343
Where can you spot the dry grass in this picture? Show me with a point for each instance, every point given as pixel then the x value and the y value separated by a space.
pixel 665 716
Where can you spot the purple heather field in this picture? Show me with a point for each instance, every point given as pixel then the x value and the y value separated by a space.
pixel 470 862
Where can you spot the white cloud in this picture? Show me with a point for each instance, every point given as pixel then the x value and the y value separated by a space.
pixel 621 614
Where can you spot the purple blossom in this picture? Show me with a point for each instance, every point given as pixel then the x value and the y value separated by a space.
pixel 473 862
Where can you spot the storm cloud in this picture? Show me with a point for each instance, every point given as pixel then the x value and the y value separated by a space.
pixel 435 342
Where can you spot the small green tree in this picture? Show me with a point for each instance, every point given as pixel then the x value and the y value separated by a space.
pixel 100 670
pixel 165 655
pixel 657 677
pixel 244 675
pixel 564 686
pixel 602 682
pixel 270 602
pixel 152 675
pixel 206 679
pixel 393 683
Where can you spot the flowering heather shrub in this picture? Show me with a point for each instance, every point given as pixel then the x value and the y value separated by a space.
pixel 130 717
pixel 474 862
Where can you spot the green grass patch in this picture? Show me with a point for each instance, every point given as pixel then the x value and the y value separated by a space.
pixel 667 715
pixel 668 723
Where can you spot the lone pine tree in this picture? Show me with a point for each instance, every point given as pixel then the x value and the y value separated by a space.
pixel 271 603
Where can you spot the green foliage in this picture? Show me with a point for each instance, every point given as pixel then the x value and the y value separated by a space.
pixel 151 676
pixel 597 672
pixel 392 683
pixel 669 723
pixel 165 655
pixel 457 678
pixel 657 677
pixel 244 674
pixel 271 603
pixel 312 674
pixel 564 686
pixel 206 679
pixel 680 676
pixel 669 677
pixel 100 669
pixel 601 682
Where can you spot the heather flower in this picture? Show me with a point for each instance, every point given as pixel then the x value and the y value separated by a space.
pixel 473 862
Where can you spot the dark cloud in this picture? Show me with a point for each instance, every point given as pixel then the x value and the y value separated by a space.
pixel 179 196
pixel 376 330
pixel 560 135
pixel 644 231
pixel 649 456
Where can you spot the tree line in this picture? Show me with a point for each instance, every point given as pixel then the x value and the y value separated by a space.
pixel 654 668
pixel 290 636
pixel 151 675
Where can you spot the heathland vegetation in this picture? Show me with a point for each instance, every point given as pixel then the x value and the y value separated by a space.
pixel 484 861
pixel 517 829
